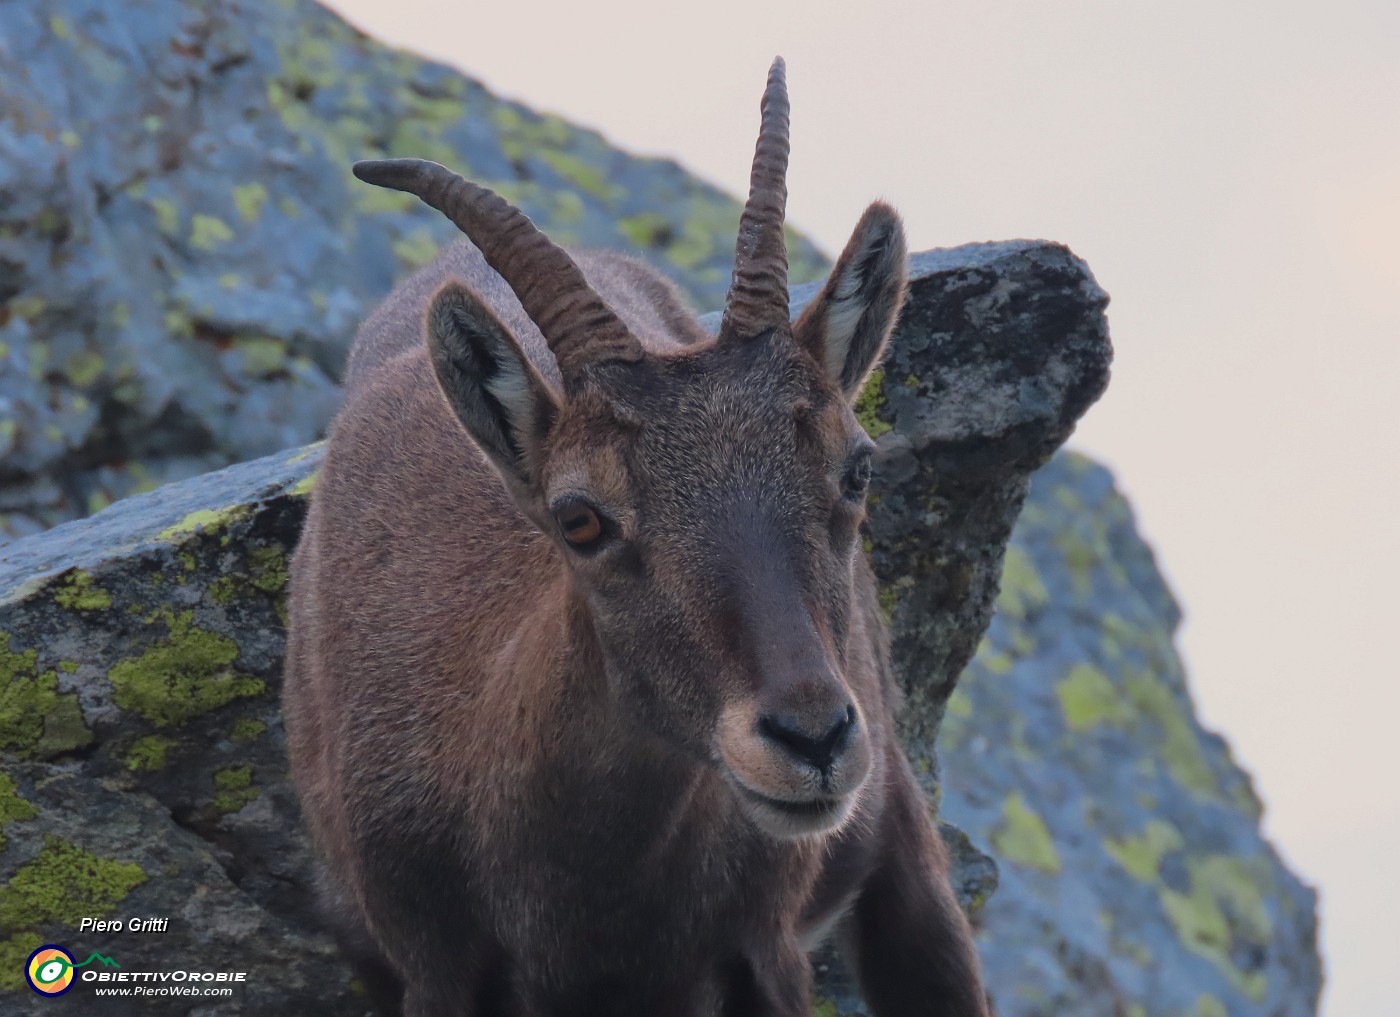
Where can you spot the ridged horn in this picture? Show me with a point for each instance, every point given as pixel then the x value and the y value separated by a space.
pixel 578 326
pixel 758 293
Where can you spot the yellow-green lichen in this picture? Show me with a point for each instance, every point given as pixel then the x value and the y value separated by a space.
pixel 234 788
pixel 378 200
pixel 1141 856
pixel 1023 838
pixel 181 677
pixel 50 222
pixel 167 215
pixel 1022 590
pixel 28 308
pixel 149 754
pixel 957 724
pixel 83 367
pixel 1134 950
pixel 78 592
pixel 1117 635
pixel 871 402
pixel 1088 699
pixel 262 355
pixel 245 730
pixel 178 321
pixel 649 229
pixel 1223 909
pixel 993 660
pixel 1180 749
pixel 250 199
pixel 587 178
pixel 206 521
pixel 423 141
pixel 208 232
pixel 64 884
pixel 1084 557
pixel 1242 796
pixel 38 361
pixel 307 451
pixel 694 244
pixel 13 808
pixel 1209 1006
pixel 14 951
pixel 959 704
pixel 265 570
pixel 415 248
pixel 888 597
pixel 36 720
pixel 304 486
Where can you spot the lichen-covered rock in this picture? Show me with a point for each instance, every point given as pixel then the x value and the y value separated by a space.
pixel 142 646
pixel 141 727
pixel 100 848
pixel 184 255
pixel 1134 880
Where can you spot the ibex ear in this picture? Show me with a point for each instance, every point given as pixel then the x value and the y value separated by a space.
pixel 493 388
pixel 845 328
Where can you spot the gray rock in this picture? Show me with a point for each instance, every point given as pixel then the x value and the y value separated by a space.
pixel 145 770
pixel 184 255
pixel 1134 880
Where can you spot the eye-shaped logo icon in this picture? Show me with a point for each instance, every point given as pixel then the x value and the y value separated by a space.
pixel 49 971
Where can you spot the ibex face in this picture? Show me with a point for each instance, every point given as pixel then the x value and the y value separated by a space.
pixel 705 501
pixel 707 505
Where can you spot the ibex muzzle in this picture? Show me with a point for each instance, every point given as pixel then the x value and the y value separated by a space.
pixel 797 749
pixel 587 694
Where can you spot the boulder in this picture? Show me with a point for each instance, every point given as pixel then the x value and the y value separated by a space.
pixel 1133 877
pixel 184 255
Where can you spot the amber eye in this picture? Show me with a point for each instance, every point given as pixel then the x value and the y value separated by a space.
pixel 579 523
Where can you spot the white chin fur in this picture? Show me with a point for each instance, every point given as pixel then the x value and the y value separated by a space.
pixel 794 824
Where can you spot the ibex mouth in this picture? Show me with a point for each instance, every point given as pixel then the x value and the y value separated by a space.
pixel 788 819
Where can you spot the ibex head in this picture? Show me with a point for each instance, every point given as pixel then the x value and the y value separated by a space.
pixel 705 501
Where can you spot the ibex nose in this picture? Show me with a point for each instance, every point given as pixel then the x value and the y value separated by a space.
pixel 817 744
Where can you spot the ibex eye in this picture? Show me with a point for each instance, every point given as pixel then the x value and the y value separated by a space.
pixel 580 524
pixel 858 478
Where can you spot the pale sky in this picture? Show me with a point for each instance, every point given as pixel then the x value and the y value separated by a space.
pixel 1231 173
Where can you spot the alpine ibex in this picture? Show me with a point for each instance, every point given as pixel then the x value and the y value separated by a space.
pixel 588 697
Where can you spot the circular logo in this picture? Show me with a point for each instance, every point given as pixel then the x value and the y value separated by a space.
pixel 49 971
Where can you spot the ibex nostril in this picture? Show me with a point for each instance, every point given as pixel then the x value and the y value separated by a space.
pixel 817 745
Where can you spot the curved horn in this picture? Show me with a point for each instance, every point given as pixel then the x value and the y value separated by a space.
pixel 578 326
pixel 758 293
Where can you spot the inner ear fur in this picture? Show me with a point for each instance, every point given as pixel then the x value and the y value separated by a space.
pixel 848 324
pixel 501 399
